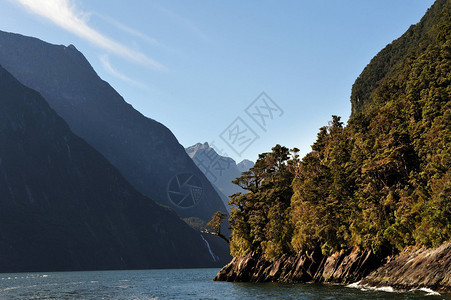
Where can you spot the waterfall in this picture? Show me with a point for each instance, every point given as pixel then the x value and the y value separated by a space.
pixel 215 257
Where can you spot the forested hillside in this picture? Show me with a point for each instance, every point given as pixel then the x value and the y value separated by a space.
pixel 383 181
pixel 414 41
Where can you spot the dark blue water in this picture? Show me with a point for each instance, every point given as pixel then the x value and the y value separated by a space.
pixel 173 284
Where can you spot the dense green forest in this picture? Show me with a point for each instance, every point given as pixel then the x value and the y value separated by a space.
pixel 381 182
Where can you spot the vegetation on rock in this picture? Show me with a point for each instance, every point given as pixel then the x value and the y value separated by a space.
pixel 382 182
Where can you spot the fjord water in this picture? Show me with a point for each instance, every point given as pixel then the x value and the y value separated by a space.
pixel 171 284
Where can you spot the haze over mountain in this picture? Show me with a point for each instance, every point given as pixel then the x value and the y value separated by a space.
pixel 244 165
pixel 63 206
pixel 144 151
pixel 220 170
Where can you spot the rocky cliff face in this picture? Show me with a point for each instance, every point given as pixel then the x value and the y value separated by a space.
pixel 63 206
pixel 144 151
pixel 422 268
pixel 341 267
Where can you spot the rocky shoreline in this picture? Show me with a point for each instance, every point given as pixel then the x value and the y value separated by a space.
pixel 420 268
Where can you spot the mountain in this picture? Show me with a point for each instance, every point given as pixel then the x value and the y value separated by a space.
pixel 368 191
pixel 144 151
pixel 220 170
pixel 386 62
pixel 63 206
pixel 244 165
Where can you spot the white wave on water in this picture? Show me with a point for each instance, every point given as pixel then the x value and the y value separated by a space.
pixel 389 289
pixel 11 288
pixel 123 286
pixel 354 285
pixel 430 292
pixel 28 276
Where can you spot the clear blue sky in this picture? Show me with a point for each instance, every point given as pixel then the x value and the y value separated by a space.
pixel 196 65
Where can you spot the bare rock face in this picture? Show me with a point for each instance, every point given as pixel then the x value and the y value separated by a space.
pixel 238 270
pixel 342 267
pixel 421 268
pixel 310 267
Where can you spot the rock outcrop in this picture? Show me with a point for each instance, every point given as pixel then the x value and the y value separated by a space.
pixel 421 268
pixel 341 267
pixel 344 267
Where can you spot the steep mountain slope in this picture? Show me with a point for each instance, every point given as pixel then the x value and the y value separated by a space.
pixel 414 41
pixel 63 206
pixel 371 189
pixel 145 151
pixel 220 170
pixel 366 191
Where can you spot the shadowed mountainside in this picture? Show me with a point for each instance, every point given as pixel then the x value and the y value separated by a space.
pixel 144 151
pixel 63 206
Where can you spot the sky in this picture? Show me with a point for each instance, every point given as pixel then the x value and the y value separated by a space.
pixel 240 75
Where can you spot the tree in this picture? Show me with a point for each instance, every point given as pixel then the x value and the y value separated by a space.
pixel 260 218
pixel 215 225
